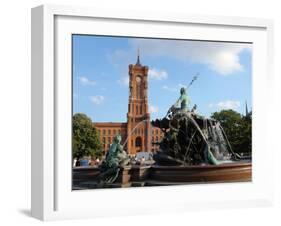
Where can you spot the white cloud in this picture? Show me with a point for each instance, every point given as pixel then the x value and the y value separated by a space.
pixel 221 57
pixel 228 104
pixel 153 109
pixel 98 99
pixel 124 80
pixel 157 74
pixel 85 81
pixel 226 62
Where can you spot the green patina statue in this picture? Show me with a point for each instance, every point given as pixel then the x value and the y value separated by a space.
pixel 191 139
pixel 115 159
pixel 182 104
pixel 183 100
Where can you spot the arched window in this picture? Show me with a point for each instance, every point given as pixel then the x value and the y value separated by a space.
pixel 138 142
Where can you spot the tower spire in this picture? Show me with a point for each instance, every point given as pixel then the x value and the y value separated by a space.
pixel 247 112
pixel 138 59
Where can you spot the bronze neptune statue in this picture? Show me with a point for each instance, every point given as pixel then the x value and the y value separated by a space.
pixel 191 139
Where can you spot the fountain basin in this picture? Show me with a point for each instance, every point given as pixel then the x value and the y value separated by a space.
pixel 153 175
pixel 228 172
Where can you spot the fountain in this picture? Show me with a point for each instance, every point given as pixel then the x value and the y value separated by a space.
pixel 195 149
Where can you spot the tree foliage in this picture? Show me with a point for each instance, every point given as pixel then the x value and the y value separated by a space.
pixel 238 129
pixel 85 139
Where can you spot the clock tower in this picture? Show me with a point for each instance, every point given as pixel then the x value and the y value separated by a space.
pixel 138 117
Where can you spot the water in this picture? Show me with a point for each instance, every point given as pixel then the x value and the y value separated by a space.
pixel 125 142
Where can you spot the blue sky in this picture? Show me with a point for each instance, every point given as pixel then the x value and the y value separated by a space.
pixel 100 75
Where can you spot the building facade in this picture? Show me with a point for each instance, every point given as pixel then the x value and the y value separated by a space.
pixel 138 135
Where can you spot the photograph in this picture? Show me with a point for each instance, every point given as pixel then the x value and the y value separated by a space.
pixel 160 112
pixel 163 111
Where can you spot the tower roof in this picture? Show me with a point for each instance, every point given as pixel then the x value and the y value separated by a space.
pixel 138 58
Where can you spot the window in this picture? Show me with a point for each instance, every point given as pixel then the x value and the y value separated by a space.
pixel 138 142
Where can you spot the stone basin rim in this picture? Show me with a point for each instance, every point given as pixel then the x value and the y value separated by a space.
pixel 225 165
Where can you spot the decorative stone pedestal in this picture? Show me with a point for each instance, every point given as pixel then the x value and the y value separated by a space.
pixel 125 175
pixel 133 174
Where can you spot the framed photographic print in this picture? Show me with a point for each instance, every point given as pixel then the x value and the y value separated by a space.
pixel 153 112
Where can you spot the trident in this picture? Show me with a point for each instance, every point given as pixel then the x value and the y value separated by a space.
pixel 193 79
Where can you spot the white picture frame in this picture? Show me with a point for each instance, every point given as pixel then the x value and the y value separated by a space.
pixel 52 197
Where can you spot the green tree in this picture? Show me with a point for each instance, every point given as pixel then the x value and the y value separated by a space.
pixel 246 138
pixel 85 139
pixel 238 129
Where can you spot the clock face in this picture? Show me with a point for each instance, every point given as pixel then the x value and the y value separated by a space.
pixel 138 79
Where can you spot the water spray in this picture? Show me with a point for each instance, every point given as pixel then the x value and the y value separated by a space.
pixel 131 132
